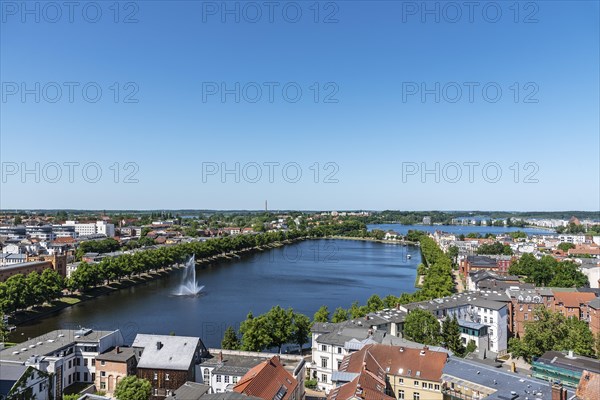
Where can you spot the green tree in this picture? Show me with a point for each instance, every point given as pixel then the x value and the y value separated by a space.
pixel 340 315
pixel 255 336
pixel 374 303
pixel 300 329
pixel 133 388
pixel 357 311
pixel 552 331
pixel 230 340
pixel 471 347
pixel 451 336
pixel 279 326
pixel 390 301
pixel 565 246
pixel 422 327
pixel 322 314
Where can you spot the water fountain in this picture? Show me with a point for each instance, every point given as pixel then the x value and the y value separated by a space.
pixel 189 285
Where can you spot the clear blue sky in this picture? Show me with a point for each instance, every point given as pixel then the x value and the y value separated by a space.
pixel 374 58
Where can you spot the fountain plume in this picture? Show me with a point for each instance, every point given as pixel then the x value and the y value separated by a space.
pixel 189 285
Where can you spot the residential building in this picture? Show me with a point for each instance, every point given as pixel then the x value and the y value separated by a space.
pixel 589 386
pixel 68 356
pixel 574 239
pixel 223 371
pixel 114 365
pixel 332 342
pixel 20 381
pixel 594 315
pixel 23 268
pixel 565 367
pixel 97 228
pixel 573 304
pixel 489 280
pixel 487 308
pixel 269 380
pixel 495 263
pixel 395 371
pixel 168 361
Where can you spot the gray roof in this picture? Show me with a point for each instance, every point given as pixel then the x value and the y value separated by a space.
pixel 561 359
pixel 124 354
pixel 9 375
pixel 228 396
pixel 176 353
pixel 233 365
pixel 595 303
pixel 463 372
pixel 189 391
pixel 50 343
pixel 487 299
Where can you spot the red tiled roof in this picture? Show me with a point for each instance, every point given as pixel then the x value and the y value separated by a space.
pixel 589 386
pixel 364 386
pixel 266 379
pixel 573 299
pixel 399 361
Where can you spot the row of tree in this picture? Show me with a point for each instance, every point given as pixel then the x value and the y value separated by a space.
pixel 547 271
pixel 553 331
pixel 97 246
pixel 273 329
pixel 22 291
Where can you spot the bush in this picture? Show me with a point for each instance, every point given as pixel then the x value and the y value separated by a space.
pixel 310 383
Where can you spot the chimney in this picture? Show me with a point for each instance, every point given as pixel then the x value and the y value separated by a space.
pixel 558 392
pixel 159 345
pixel 220 356
pixel 118 349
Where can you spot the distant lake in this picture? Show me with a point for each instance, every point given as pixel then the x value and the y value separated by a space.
pixel 304 275
pixel 458 229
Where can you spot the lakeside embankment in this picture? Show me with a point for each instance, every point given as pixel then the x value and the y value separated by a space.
pixel 38 312
pixel 66 301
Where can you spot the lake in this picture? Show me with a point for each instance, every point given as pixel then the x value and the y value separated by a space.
pixel 304 275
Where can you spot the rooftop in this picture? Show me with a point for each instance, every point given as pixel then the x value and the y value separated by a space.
pixel 190 391
pixel 563 360
pixel 117 354
pixel 165 351
pixel 233 364
pixel 495 381
pixel 51 343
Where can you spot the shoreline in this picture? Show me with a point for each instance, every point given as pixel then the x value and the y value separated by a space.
pixel 43 311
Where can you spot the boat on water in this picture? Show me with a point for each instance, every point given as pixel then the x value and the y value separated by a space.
pixel 408 256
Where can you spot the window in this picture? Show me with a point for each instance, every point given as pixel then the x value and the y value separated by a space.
pixel 85 377
pixel 437 387
pixel 424 385
pixel 206 375
pixel 226 378
pixel 235 379
pixel 401 381
pixel 431 386
pixel 69 379
pixel 70 363
pixel 401 394
pixel 323 362
pixel 166 377
pixel 155 376
pixel 324 378
pixel 491 320
pixel 103 362
pixel 93 362
pixel 416 383
pixel 416 396
pixel 93 376
pixel 155 391
pixel 218 378
pixel 78 361
pixel 339 350
pixel 85 362
pixel 103 374
pixel 526 317
pixel 102 385
pixel 339 364
pixel 41 386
